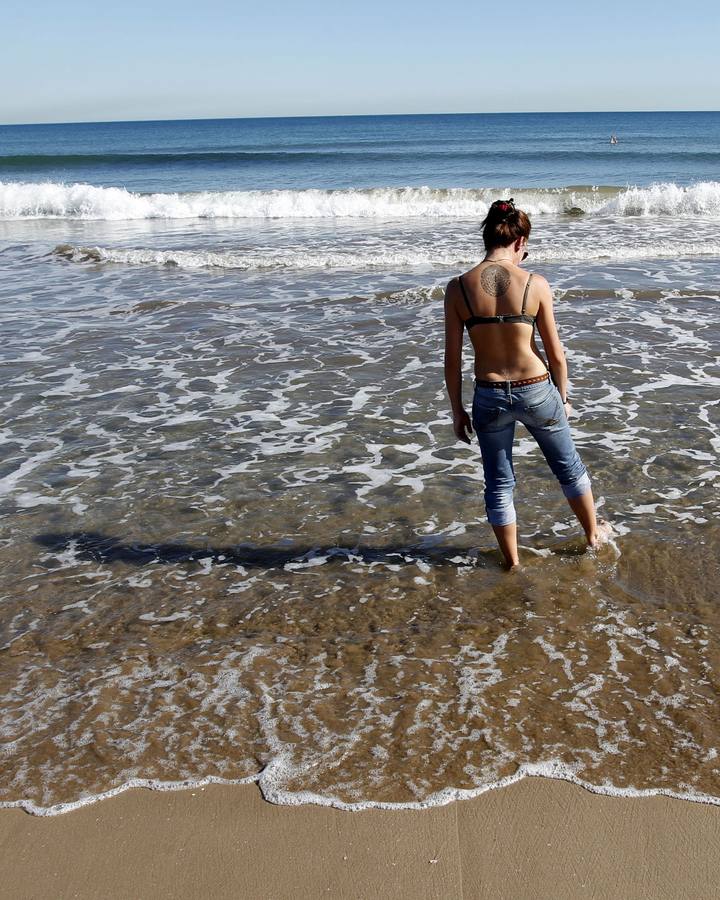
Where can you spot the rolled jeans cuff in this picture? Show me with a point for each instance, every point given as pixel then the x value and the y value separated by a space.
pixel 505 515
pixel 578 487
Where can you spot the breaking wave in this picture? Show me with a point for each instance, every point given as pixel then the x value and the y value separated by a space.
pixel 37 200
pixel 368 259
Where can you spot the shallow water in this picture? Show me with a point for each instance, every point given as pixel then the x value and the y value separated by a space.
pixel 240 541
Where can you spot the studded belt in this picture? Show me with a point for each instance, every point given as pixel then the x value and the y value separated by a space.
pixel 523 381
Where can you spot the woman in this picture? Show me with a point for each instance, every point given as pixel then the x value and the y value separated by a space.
pixel 500 305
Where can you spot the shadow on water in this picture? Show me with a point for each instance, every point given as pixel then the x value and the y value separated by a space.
pixel 97 547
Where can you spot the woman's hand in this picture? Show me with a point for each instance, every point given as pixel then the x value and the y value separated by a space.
pixel 567 408
pixel 462 426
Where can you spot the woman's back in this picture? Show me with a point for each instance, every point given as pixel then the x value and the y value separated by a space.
pixel 498 305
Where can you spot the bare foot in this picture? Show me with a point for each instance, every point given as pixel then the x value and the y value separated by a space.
pixel 603 534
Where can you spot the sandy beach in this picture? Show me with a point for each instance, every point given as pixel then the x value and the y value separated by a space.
pixel 538 838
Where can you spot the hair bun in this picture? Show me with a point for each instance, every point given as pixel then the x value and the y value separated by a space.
pixel 502 208
pixel 504 223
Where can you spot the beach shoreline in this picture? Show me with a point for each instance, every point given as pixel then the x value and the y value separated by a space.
pixel 537 838
pixel 242 542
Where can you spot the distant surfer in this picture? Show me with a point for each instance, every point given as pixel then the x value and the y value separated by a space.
pixel 613 138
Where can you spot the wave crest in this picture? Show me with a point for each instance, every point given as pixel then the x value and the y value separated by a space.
pixel 34 200
pixel 388 259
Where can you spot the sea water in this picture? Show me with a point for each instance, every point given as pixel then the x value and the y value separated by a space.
pixel 239 540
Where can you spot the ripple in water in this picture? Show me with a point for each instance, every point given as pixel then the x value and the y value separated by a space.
pixel 240 542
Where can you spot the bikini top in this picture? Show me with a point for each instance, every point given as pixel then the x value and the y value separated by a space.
pixel 488 320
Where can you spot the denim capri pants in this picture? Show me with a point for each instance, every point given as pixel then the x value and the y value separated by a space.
pixel 539 407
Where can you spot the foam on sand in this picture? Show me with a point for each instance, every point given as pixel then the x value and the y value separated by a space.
pixel 268 782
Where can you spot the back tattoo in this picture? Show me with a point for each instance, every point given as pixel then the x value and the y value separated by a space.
pixel 495 280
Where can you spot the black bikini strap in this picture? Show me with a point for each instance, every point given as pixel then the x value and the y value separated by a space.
pixel 522 311
pixel 464 293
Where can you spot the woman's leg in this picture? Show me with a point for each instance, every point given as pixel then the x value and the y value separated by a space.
pixel 496 442
pixel 507 541
pixel 549 426
pixel 584 508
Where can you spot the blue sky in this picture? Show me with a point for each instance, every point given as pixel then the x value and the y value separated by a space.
pixel 78 61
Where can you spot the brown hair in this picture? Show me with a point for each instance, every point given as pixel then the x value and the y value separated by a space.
pixel 504 224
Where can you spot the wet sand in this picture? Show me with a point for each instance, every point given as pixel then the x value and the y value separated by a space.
pixel 538 838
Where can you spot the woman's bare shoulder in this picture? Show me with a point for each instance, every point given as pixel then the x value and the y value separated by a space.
pixel 540 286
pixel 451 297
pixel 452 287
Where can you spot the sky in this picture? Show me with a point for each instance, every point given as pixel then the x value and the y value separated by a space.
pixel 78 61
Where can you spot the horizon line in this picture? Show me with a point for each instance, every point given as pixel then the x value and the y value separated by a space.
pixel 553 112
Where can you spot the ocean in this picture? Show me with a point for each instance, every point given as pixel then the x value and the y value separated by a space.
pixel 239 541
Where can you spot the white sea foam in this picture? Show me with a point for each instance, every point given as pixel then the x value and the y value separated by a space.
pixel 33 200
pixel 8 482
pixel 291 426
pixel 364 259
pixel 277 770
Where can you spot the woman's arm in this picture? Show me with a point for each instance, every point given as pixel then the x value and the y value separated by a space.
pixel 551 340
pixel 453 364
